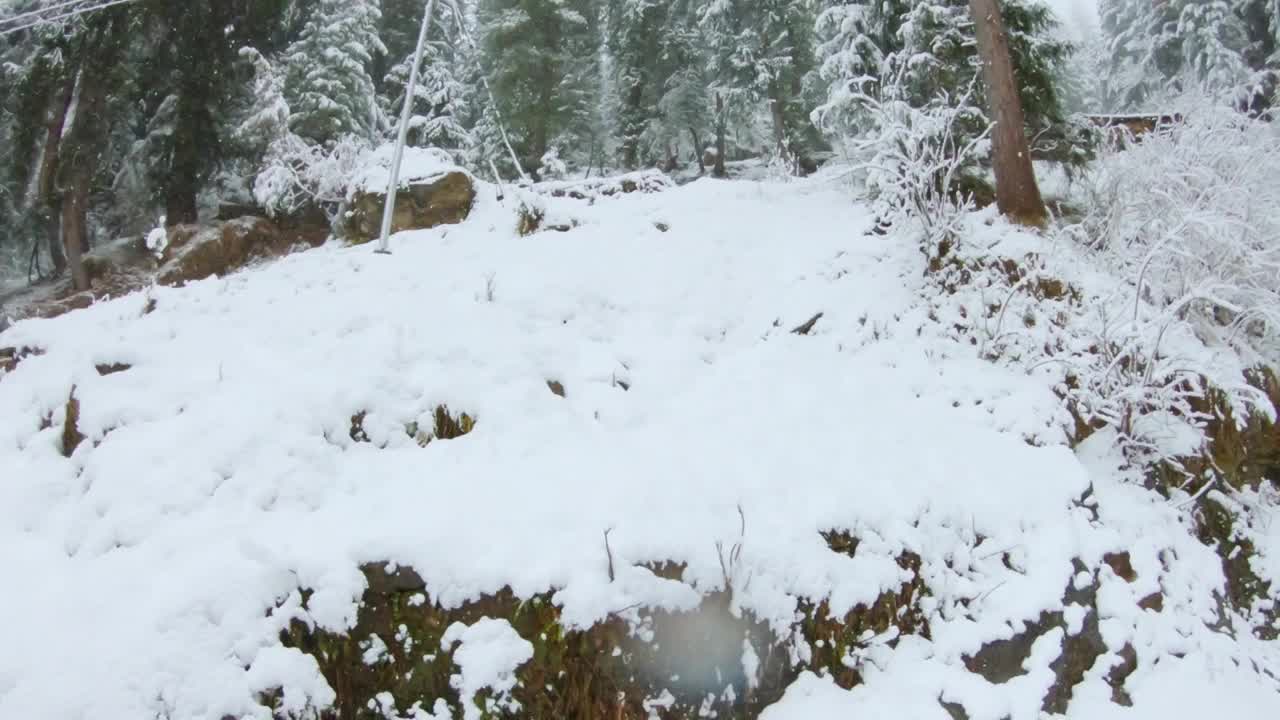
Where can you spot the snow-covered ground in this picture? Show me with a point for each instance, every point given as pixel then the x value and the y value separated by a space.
pixel 218 476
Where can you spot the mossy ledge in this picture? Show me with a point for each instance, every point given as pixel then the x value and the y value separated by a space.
pixel 668 665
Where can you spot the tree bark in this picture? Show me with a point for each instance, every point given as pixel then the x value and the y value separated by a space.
pixel 45 198
pixel 75 230
pixel 777 110
pixel 183 182
pixel 719 169
pixel 1017 194
pixel 53 236
pixel 698 151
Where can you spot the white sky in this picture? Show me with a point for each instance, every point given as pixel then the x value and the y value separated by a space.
pixel 1079 17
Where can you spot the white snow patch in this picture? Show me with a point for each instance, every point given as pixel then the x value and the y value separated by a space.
pixel 488 654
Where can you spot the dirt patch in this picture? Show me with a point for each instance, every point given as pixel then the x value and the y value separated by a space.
pixel 1001 661
pixel 12 357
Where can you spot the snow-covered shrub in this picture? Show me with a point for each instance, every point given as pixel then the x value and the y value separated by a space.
pixel 1149 313
pixel 1191 215
pixel 552 167
pixel 913 159
pixel 1052 306
pixel 297 173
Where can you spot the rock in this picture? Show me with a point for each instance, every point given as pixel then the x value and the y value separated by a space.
pixel 644 181
pixel 195 252
pixel 444 199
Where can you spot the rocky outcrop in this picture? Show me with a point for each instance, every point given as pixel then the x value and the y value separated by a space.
pixel 660 663
pixel 444 199
pixel 195 252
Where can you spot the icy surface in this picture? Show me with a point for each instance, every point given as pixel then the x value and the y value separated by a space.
pixel 218 476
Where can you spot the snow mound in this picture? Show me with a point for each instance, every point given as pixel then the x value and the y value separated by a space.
pixel 158 564
pixel 418 163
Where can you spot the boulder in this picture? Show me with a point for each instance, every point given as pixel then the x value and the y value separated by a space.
pixel 195 252
pixel 443 199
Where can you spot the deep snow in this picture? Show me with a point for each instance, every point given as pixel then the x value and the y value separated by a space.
pixel 218 476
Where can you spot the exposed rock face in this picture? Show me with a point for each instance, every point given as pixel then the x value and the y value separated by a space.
pixel 445 199
pixel 195 252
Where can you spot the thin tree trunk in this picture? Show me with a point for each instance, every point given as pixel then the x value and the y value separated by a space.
pixel 632 127
pixel 50 218
pixel 1017 194
pixel 780 127
pixel 698 151
pixel 719 170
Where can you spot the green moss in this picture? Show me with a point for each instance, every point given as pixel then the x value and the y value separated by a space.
pixel 607 671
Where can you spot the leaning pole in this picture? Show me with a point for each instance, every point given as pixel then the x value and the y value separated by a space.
pixel 393 183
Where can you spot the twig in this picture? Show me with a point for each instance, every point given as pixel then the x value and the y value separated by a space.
pixel 609 552
pixel 804 329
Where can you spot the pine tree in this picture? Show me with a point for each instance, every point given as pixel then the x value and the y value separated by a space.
pixel 685 104
pixel 186 83
pixel 542 61
pixel 441 97
pixel 329 84
pixel 1226 48
pixel 928 50
pixel 635 44
pixel 761 55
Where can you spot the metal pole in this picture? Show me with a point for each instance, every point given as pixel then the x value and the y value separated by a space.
pixel 393 183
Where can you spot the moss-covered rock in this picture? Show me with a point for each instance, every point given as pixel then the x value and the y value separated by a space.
pixel 442 200
pixel 195 252
pixel 653 663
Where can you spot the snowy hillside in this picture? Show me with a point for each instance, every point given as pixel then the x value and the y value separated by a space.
pixel 653 389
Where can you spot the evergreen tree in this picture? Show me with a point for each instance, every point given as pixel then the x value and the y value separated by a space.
pixel 329 84
pixel 441 97
pixel 187 82
pixel 761 55
pixel 1224 47
pixel 927 50
pixel 542 61
pixel 685 104
pixel 635 44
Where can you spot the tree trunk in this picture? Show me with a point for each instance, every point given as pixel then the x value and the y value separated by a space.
pixel 183 182
pixel 45 198
pixel 75 230
pixel 719 170
pixel 632 126
pixel 780 127
pixel 1017 195
pixel 50 217
pixel 698 151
